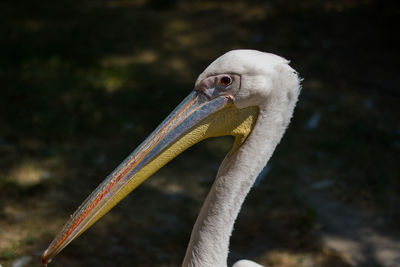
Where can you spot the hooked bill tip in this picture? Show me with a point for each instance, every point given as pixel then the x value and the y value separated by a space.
pixel 45 261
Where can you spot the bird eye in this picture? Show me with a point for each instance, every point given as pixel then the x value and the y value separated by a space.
pixel 226 80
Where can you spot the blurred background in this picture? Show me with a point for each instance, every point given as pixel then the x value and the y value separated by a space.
pixel 84 82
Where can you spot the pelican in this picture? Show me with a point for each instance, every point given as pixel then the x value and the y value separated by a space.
pixel 248 94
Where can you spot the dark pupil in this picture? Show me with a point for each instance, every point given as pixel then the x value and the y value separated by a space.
pixel 225 80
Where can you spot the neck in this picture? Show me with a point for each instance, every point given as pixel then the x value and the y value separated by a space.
pixel 209 241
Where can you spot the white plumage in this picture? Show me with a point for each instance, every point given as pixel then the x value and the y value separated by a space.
pixel 267 81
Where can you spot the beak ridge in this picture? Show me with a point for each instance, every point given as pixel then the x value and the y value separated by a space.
pixel 138 166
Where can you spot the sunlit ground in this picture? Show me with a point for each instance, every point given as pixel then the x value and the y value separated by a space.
pixel 84 82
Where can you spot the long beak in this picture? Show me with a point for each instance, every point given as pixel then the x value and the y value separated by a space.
pixel 195 119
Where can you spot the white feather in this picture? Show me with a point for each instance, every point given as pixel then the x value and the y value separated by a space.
pixel 267 81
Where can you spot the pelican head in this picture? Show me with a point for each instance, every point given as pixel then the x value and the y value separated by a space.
pixel 228 99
